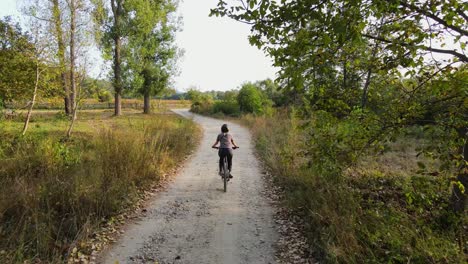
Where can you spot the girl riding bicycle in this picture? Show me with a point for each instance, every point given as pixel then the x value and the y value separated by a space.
pixel 225 148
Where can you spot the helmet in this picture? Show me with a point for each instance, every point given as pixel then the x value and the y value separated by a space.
pixel 224 128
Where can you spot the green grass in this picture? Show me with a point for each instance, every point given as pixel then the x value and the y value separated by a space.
pixel 384 209
pixel 54 191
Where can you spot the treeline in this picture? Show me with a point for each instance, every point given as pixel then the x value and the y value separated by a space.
pixel 257 98
pixel 357 77
pixel 53 55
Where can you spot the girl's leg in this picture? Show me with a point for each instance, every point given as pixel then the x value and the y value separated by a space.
pixel 229 157
pixel 220 154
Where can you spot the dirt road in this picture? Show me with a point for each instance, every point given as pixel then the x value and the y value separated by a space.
pixel 194 221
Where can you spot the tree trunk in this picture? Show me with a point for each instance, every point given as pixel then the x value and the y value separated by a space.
pixel 147 104
pixel 28 117
pixel 72 56
pixel 366 88
pixel 345 74
pixel 117 11
pixel 117 104
pixel 61 55
pixel 117 79
pixel 72 122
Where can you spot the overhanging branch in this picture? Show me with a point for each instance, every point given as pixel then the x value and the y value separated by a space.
pixel 461 56
pixel 434 17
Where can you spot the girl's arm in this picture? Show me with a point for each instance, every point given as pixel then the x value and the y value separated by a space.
pixel 214 145
pixel 232 141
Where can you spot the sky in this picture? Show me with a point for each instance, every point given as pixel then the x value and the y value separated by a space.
pixel 217 54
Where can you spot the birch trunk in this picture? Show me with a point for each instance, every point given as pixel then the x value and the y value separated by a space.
pixel 28 117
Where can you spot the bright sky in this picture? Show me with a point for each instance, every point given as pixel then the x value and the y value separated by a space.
pixel 217 54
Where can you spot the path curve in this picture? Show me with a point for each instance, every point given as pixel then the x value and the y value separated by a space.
pixel 194 221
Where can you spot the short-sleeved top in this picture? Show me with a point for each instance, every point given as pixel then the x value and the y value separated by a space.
pixel 225 140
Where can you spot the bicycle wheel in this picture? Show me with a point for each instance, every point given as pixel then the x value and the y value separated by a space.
pixel 225 174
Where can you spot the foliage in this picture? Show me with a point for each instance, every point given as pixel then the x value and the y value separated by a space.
pixel 398 33
pixel 53 192
pixel 17 61
pixel 98 89
pixel 201 102
pixel 21 55
pixel 152 45
pixel 252 100
pixel 272 91
pixel 256 98
pixel 226 107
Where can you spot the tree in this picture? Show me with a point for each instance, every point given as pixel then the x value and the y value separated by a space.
pixel 151 45
pixel 41 54
pixel 273 92
pixel 313 42
pixel 252 100
pixel 17 62
pixel 50 14
pixel 59 36
pixel 340 56
pixel 111 17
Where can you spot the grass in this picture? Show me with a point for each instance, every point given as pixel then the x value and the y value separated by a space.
pixel 55 191
pixel 89 104
pixel 384 209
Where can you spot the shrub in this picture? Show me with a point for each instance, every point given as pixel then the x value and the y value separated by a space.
pixel 230 108
pixel 104 96
pixel 202 103
pixel 252 100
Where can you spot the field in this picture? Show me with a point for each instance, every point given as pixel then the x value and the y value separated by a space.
pixel 54 191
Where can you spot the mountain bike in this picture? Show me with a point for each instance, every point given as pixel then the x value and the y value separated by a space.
pixel 225 173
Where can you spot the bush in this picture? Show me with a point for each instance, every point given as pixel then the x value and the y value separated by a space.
pixel 230 108
pixel 252 100
pixel 202 103
pixel 104 96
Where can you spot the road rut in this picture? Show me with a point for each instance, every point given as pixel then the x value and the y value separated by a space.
pixel 194 221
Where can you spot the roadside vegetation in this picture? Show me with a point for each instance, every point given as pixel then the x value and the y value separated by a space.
pixel 69 168
pixel 364 130
pixel 364 197
pixel 55 191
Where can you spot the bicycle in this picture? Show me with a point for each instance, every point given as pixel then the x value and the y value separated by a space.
pixel 225 173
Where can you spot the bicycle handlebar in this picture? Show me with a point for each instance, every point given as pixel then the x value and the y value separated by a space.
pixel 232 148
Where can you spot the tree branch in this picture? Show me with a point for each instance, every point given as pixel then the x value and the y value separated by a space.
pixel 41 18
pixel 434 17
pixel 462 14
pixel 461 56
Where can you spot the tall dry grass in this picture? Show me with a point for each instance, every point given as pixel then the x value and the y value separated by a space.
pixel 54 191
pixel 367 213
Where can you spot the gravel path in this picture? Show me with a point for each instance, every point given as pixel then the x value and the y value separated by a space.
pixel 194 221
